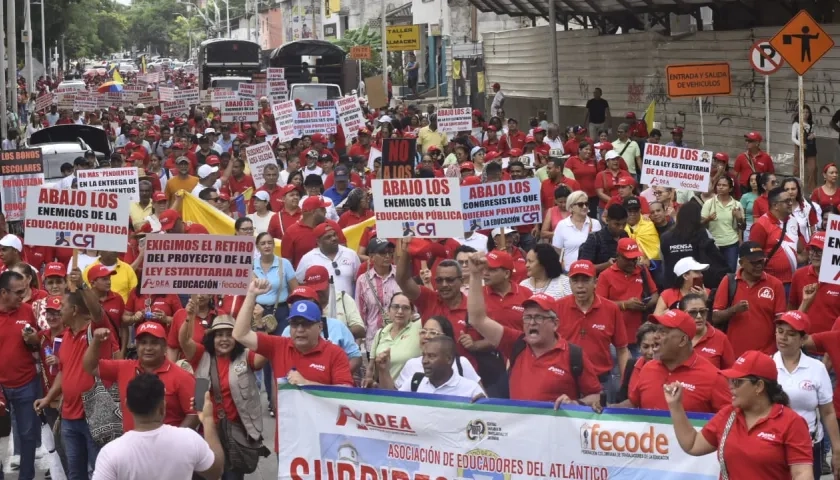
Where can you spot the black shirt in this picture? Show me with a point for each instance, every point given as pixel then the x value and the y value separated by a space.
pixel 600 247
pixel 597 110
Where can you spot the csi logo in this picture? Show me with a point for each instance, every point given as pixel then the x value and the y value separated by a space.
pixel 411 229
pixel 68 239
pixel 531 217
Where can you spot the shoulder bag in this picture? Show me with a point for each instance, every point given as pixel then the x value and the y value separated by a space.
pixel 270 321
pixel 242 453
pixel 724 474
pixel 102 408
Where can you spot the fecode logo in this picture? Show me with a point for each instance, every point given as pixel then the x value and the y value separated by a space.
pixel 613 442
pixel 374 421
pixel 67 239
pixel 427 229
pixel 531 217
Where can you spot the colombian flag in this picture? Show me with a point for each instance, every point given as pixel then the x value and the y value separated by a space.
pixel 649 115
pixel 114 73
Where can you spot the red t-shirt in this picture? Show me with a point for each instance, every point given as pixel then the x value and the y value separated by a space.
pixel 507 310
pixel 615 285
pixel 200 325
pixel 511 141
pixel 754 329
pixel 38 256
pixel 18 367
pixel 235 187
pixel 672 297
pixel 765 451
pixel 549 376
pixel 275 199
pixel 760 206
pixel 825 200
pixel 280 222
pixel 178 383
pixel 193 228
pixel 548 187
pixel 705 390
pixel 348 218
pixel 594 330
pixel 223 367
pixel 766 231
pixel 584 173
pixel 829 342
pixel 168 304
pixel 75 381
pixel 826 305
pixel 744 166
pixel 714 346
pixel 609 183
pixel 299 240
pixel 429 304
pixel 113 307
pixel 616 200
pixel 572 146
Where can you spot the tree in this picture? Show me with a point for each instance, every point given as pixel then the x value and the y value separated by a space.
pixel 94 28
pixel 186 28
pixel 365 36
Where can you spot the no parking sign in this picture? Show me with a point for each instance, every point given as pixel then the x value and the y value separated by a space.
pixel 765 59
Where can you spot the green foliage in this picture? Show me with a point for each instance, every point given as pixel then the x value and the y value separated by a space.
pixel 186 28
pixel 153 23
pixel 365 36
pixel 93 28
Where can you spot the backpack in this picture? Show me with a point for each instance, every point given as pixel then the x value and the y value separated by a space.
pixel 418 377
pixel 732 286
pixel 575 358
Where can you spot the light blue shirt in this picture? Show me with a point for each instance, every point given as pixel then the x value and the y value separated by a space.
pixel 339 335
pixel 273 277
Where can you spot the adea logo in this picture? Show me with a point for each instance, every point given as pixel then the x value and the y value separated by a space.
pixel 373 421
pixel 597 440
pixel 766 293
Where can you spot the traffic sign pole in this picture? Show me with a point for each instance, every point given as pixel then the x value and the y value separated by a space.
pixel 767 112
pixel 702 129
pixel 802 139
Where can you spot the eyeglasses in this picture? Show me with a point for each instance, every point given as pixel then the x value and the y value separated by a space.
pixel 789 201
pixel 337 271
pixel 397 307
pixel 446 280
pixel 247 229
pixel 429 333
pixel 463 263
pixel 538 319
pixel 581 205
pixel 703 312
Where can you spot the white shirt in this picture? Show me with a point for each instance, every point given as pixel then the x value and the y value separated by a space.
pixel 197 189
pixel 477 241
pixel 556 143
pixel 332 214
pixel 314 171
pixel 800 219
pixel 346 261
pixel 456 386
pixel 808 387
pixel 557 287
pixel 569 238
pixel 82 261
pixel 415 365
pixel 261 223
pixel 165 453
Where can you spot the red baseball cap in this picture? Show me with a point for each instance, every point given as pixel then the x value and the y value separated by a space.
pixel 753 363
pixel 319 138
pixel 677 319
pixel 722 157
pixel 677 131
pixel 467 166
pixel 98 271
pixel 604 146
pixel 500 259
pixel 316 277
pixel 625 181
pixel 530 139
pixel 538 130
pixel 433 148
pixel 303 292
pixel 753 137
pixel 55 269
pixel 491 128
pixel 53 302
pixel 628 248
pixel 287 189
pixel 167 219
pixel 152 328
pixel 799 321
pixel 312 203
pixel 212 160
pixel 546 302
pixel 177 146
pixel 582 267
pixel 158 197
pixel 476 113
pixel 515 152
pixel 818 240
pixel 630 115
pixel 322 230
pixel 471 180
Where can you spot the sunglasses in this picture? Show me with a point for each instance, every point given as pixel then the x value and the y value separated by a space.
pixel 581 205
pixel 335 266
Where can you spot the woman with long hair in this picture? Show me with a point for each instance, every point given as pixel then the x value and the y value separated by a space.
pixel 759 435
pixel 545 272
pixel 807 126
pixel 689 238
pixel 827 194
pixel 34 125
pixel 395 343
pixel 356 208
pixel 748 200
pixel 433 327
pixel 688 279
pixel 33 290
pixel 725 220
pixel 805 216
pixel 766 182
pixel 296 179
pixel 556 213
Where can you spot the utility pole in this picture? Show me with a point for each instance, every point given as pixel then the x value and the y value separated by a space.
pixel 4 118
pixel 257 23
pixel 27 45
pixel 384 50
pixel 227 15
pixel 314 33
pixel 63 57
pixel 11 50
pixel 43 39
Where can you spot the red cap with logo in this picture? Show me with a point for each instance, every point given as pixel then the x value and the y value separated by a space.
pixel 625 181
pixel 722 157
pixel 500 259
pixel 168 218
pixel 151 328
pixel 753 137
pixel 515 152
pixel 303 292
pixel 55 269
pixel 546 302
pixel 322 230
pixel 677 319
pixel 818 240
pixel 628 248
pixel 98 271
pixel 158 197
pixel 631 115
pixel 471 180
pixel 316 277
pixel 319 138
pixel 753 363
pixel 799 321
pixel 212 160
pixel 312 203
pixel 53 302
pixel 582 267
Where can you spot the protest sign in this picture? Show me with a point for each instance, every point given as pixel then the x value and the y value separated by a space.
pixel 76 219
pixel 418 207
pixel 247 90
pixel 190 96
pixel 19 170
pixel 43 102
pixel 454 120
pixel 359 434
pixel 66 101
pixel 109 99
pixel 197 264
pixel 501 204
pixel 830 263
pixel 149 99
pixel 325 104
pixel 308 122
pixel 277 91
pixel 219 95
pixel 258 157
pixel 372 156
pixel 243 110
pixel 166 94
pixel 676 167
pixel 176 108
pixel 274 73
pixel 350 116
pixel 284 119
pixel 85 102
pixel 120 180
pixel 398 156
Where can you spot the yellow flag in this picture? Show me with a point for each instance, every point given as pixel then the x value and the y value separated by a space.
pixel 649 114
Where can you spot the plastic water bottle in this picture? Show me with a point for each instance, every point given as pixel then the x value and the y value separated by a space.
pixel 49 351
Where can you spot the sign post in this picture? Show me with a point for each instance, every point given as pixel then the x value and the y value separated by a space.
pixel 699 80
pixel 802 42
pixel 766 61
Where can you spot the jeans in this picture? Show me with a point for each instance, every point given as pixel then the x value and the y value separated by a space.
pixel 80 448
pixel 228 475
pixel 282 316
pixel 20 400
pixel 730 253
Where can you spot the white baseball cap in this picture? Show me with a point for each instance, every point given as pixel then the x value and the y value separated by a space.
pixel 498 231
pixel 209 130
pixel 262 195
pixel 611 154
pixel 689 264
pixel 13 241
pixel 205 171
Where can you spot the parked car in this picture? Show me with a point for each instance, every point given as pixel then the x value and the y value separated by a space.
pixel 64 143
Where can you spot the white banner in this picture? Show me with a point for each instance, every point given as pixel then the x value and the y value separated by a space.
pixel 109 99
pixel 85 102
pixel 325 105
pixel 243 110
pixel 197 264
pixel 247 90
pixel 77 219
pixel 830 263
pixel 258 156
pixel 418 207
pixel 277 91
pixel 677 167
pixel 308 122
pixel 454 120
pixel 149 99
pixel 501 204
pixel 167 94
pixel 176 108
pixel 190 96
pixel 350 115
pixel 348 433
pixel 275 73
pixel 120 180
pixel 284 119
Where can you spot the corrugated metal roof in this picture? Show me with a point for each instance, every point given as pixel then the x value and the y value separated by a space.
pixel 539 8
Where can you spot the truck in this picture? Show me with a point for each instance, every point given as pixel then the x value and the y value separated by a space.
pixel 315 70
pixel 220 58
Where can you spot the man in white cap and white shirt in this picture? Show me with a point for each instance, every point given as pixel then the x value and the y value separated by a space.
pixel 311 167
pixel 11 249
pixel 207 177
pixel 210 133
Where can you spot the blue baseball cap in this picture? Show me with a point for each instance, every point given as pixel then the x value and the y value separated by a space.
pixel 305 309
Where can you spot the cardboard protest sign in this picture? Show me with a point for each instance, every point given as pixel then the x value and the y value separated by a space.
pixel 372 156
pixel 454 120
pixel 277 91
pixel 501 204
pixel 274 73
pixel 109 99
pixel 190 96
pixel 77 219
pixel 324 104
pixel 85 102
pixel 284 119
pixel 398 156
pixel 350 116
pixel 120 180
pixel 175 109
pixel 418 207
pixel 243 110
pixel 247 90
pixel 258 157
pixel 43 102
pixel 677 167
pixel 197 264
pixel 308 122
pixel 66 101
pixel 166 94
pixel 19 170
pixel 830 263
pixel 149 99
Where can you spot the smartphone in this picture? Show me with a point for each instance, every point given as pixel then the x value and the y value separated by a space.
pixel 202 385
pixel 698 282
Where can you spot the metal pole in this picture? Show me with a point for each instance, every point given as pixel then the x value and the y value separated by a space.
pixel 43 39
pixel 11 51
pixel 702 129
pixel 314 34
pixel 227 14
pixel 384 49
pixel 4 119
pixel 257 22
pixel 555 81
pixel 767 112
pixel 30 82
pixel 63 57
pixel 801 128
